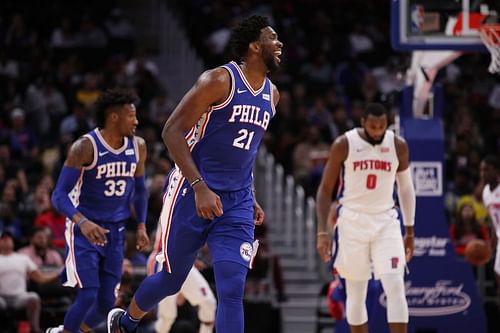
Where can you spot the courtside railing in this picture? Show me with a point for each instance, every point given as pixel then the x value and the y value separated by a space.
pixel 290 215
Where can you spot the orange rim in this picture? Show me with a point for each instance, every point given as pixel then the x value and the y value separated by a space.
pixel 491 32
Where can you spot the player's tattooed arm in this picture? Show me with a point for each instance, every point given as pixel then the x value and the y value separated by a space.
pixel 81 153
pixel 212 87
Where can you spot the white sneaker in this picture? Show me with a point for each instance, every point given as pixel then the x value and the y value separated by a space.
pixel 58 329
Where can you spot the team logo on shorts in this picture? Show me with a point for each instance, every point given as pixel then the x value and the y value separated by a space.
pixel 246 251
pixel 394 262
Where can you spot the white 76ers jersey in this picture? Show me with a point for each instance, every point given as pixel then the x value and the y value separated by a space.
pixel 491 200
pixel 368 174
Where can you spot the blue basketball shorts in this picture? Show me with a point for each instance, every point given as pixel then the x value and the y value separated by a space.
pixel 229 237
pixel 87 264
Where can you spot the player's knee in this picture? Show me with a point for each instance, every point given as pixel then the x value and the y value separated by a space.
pixel 356 312
pixel 230 281
pixel 393 285
pixel 397 308
pixel 206 310
pixel 33 301
pixel 105 303
pixel 86 297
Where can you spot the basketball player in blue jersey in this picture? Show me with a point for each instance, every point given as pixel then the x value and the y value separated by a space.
pixel 371 160
pixel 102 177
pixel 213 135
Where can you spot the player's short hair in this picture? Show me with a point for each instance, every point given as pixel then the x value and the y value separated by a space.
pixel 375 109
pixel 110 99
pixel 493 161
pixel 244 33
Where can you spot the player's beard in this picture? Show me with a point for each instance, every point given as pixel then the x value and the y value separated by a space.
pixel 373 141
pixel 270 61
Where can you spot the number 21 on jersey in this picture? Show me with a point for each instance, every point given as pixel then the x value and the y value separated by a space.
pixel 244 139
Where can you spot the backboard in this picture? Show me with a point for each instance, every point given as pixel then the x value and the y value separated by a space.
pixel 440 24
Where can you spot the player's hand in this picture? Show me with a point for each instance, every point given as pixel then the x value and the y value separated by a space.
pixel 94 233
pixel 142 239
pixel 324 246
pixel 258 213
pixel 409 246
pixel 208 203
pixel 200 265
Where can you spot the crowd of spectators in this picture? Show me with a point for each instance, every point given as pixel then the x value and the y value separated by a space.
pixel 337 57
pixel 55 60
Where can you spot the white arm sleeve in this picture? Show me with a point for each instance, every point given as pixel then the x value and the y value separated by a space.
pixel 406 195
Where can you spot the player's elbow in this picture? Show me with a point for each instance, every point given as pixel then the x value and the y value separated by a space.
pixel 55 198
pixel 167 131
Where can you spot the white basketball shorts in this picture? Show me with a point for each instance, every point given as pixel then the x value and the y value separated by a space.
pixel 367 241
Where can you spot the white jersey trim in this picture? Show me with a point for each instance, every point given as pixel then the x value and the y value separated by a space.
pixel 231 92
pixel 72 278
pixel 244 79
pixel 108 147
pixel 94 155
pixel 136 149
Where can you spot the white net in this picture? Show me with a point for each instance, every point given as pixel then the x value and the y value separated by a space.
pixel 490 34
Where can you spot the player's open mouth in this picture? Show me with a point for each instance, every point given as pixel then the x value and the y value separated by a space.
pixel 277 55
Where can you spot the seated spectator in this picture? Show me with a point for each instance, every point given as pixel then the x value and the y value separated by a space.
pixel 39 251
pixel 9 216
pixel 90 34
pixel 47 260
pixel 466 228
pixel 309 158
pixel 48 217
pixel 15 269
pixel 88 93
pixel 118 26
pixel 23 143
pixel 76 124
pixel 63 36
pixel 13 170
pixel 160 108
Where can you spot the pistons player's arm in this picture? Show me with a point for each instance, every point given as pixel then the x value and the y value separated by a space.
pixel 406 194
pixel 331 173
pixel 141 196
pixel 81 153
pixel 211 88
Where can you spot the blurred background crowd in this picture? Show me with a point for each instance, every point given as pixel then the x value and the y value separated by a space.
pixel 55 60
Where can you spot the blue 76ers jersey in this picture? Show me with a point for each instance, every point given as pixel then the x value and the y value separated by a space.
pixel 225 140
pixel 104 190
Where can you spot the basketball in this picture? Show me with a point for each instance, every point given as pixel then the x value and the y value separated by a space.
pixel 477 252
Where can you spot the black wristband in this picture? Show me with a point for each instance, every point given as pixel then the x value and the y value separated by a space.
pixel 196 181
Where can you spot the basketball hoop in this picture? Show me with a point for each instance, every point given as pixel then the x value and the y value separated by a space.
pixel 490 34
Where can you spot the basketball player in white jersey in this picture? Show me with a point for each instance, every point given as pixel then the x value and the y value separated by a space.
pixel 195 290
pixel 371 160
pixel 489 171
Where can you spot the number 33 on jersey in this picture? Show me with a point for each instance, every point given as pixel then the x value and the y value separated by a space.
pixel 111 175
